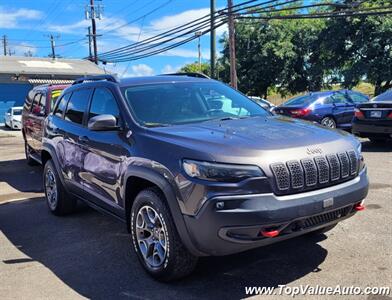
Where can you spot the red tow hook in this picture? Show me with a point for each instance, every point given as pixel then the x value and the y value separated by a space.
pixel 270 234
pixel 359 207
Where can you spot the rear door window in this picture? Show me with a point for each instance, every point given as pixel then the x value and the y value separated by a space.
pixel 358 98
pixel 77 105
pixel 35 107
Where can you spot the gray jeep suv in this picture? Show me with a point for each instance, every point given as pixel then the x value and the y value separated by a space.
pixel 194 168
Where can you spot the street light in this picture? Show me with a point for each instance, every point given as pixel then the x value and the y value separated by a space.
pixel 199 34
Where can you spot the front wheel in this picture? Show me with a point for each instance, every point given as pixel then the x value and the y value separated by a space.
pixel 328 122
pixel 156 240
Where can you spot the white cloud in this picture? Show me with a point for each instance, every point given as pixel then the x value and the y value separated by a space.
pixel 169 69
pixel 179 19
pixel 12 18
pixel 140 70
pixel 23 48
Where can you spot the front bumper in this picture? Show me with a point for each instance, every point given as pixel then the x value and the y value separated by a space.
pixel 231 224
pixel 16 125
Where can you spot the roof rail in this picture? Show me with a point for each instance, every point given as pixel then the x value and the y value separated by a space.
pixel 106 77
pixel 190 74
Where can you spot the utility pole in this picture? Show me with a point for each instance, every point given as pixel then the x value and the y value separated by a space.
pixel 199 34
pixel 5 45
pixel 233 70
pixel 212 38
pixel 53 45
pixel 94 12
pixel 90 55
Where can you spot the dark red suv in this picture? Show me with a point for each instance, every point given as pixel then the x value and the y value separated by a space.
pixel 38 104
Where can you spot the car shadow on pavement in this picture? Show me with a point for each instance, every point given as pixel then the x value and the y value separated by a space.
pixel 368 146
pixel 20 176
pixel 91 253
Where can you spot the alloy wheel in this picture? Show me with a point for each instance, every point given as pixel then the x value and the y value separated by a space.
pixel 328 122
pixel 151 236
pixel 51 189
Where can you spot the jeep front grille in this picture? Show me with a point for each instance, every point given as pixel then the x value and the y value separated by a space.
pixel 308 174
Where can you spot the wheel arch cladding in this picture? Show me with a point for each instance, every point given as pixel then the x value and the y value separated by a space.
pixel 147 178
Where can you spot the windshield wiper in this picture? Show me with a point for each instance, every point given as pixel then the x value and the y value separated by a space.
pixel 151 124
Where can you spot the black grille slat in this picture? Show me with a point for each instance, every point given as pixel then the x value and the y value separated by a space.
pixel 282 176
pixel 308 174
pixel 344 164
pixel 297 174
pixel 326 217
pixel 353 162
pixel 323 169
pixel 310 171
pixel 334 166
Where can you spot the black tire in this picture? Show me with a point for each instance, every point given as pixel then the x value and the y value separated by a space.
pixel 63 203
pixel 323 230
pixel 328 122
pixel 29 160
pixel 176 262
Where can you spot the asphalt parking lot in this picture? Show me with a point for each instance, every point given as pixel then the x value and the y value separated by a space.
pixel 89 254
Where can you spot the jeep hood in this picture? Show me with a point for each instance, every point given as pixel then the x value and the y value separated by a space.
pixel 271 136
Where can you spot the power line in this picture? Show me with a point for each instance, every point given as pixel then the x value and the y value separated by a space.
pixel 201 24
pixel 145 48
pixel 197 22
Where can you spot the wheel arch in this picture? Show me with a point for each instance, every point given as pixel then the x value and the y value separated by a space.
pixel 48 152
pixel 138 178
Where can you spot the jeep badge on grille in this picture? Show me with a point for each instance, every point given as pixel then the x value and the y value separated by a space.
pixel 311 151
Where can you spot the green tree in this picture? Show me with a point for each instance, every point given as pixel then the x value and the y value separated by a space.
pixel 359 48
pixel 195 68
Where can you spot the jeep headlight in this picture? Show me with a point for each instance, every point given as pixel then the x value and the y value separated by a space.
pixel 359 148
pixel 360 157
pixel 219 171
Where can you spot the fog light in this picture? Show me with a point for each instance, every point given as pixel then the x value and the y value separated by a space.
pixel 220 205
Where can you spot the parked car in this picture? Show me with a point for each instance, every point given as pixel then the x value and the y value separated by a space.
pixel 374 119
pixel 193 177
pixel 331 108
pixel 38 104
pixel 13 117
pixel 263 103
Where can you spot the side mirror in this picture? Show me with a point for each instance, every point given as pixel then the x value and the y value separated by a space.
pixel 102 123
pixel 8 114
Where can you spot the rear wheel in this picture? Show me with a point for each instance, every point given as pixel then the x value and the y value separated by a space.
pixel 156 240
pixel 328 122
pixel 58 200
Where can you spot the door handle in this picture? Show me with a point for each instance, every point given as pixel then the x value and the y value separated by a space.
pixel 83 139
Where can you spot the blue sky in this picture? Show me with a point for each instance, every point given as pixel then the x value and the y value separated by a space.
pixel 27 25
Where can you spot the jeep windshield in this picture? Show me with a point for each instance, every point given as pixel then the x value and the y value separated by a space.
pixel 165 104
